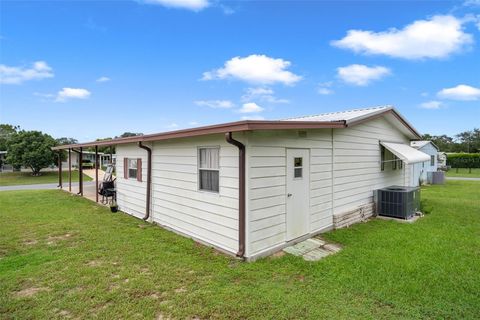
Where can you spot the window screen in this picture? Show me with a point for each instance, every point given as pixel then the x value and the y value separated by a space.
pixel 132 168
pixel 209 169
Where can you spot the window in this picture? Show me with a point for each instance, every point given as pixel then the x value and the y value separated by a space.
pixel 209 169
pixel 132 168
pixel 382 158
pixel 432 160
pixel 297 167
pixel 400 164
pixel 394 163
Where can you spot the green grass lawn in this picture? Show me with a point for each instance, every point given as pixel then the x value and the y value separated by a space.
pixel 462 172
pixel 17 178
pixel 63 256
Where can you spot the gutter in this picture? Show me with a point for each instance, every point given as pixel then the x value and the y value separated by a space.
pixel 149 179
pixel 241 193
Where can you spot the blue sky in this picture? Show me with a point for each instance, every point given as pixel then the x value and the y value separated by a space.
pixel 89 69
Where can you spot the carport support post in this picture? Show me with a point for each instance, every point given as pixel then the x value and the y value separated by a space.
pixel 69 170
pixel 80 172
pixel 60 169
pixel 96 173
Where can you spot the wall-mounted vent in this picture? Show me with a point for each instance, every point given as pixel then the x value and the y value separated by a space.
pixel 302 134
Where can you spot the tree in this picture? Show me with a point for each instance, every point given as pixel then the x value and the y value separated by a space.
pixel 6 132
pixel 467 139
pixel 129 134
pixel 64 141
pixel 31 149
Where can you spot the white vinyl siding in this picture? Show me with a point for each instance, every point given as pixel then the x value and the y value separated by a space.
pixel 357 170
pixel 179 204
pixel 266 154
pixel 131 194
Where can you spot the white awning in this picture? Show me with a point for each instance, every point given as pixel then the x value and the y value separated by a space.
pixel 405 152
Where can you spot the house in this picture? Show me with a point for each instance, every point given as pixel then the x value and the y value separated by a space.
pixel 442 159
pixel 89 157
pixel 251 188
pixel 420 170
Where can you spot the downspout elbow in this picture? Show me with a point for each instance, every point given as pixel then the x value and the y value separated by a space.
pixel 241 193
pixel 149 179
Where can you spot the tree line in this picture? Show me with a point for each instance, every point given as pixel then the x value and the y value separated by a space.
pixel 464 142
pixel 33 149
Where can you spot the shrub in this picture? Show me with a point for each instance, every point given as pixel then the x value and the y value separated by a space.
pixel 463 160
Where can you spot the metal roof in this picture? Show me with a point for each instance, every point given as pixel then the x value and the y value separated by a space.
pixel 421 143
pixel 346 116
pixel 341 119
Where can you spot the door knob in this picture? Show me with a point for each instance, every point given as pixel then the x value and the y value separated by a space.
pixel 289 194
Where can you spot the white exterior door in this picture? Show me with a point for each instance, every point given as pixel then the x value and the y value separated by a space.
pixel 298 193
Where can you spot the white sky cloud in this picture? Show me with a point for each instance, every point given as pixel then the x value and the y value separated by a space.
pixel 172 125
pixel 361 75
pixel 216 104
pixel 72 93
pixel 324 91
pixel 253 118
pixel 461 92
pixel 324 88
pixel 17 75
pixel 250 107
pixel 262 94
pixel 431 105
pixel 194 5
pixel 437 37
pixel 259 69
pixel 471 3
pixel 103 79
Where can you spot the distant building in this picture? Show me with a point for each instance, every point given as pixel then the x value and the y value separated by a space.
pixel 420 170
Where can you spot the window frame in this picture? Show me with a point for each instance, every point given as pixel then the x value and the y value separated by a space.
pixel 297 167
pixel 382 158
pixel 200 169
pixel 129 161
pixel 432 160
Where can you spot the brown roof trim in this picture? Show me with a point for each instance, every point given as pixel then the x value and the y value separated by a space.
pixel 237 126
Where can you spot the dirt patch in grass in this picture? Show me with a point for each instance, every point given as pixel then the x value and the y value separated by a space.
pixel 54 239
pixel 94 263
pixel 30 292
pixel 100 307
pixel 30 242
pixel 180 290
pixel 278 254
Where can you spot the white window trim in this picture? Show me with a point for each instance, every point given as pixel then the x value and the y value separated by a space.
pixel 211 192
pixel 129 160
pixel 297 167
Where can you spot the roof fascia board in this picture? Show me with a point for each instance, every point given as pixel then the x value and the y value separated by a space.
pixel 246 125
